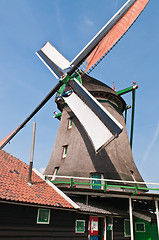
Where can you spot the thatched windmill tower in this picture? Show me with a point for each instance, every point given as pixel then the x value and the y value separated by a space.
pixel 73 153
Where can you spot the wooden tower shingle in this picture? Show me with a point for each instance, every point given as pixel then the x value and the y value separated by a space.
pixel 114 161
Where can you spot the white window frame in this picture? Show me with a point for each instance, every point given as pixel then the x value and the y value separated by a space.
pixel 76 231
pixel 70 121
pixel 39 222
pixel 136 227
pixel 64 151
pixel 54 173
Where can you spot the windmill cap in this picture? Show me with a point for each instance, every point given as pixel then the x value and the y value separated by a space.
pixel 100 91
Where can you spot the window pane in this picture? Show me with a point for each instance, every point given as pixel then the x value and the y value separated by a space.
pixel 80 226
pixel 64 151
pixel 55 171
pixel 43 215
pixel 70 122
pixel 140 227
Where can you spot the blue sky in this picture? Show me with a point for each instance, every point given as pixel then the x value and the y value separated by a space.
pixel 25 25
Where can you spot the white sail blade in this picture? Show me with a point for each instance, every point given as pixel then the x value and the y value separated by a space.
pixel 53 59
pixel 95 128
pixel 108 120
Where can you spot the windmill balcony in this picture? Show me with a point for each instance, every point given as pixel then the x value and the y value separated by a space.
pixel 102 185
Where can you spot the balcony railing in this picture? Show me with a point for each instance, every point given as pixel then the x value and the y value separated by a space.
pixel 105 184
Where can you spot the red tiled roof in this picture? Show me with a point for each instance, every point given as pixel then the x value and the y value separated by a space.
pixel 14 185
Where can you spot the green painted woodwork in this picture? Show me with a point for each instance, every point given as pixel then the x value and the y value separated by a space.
pixel 65 78
pixel 154 231
pixel 136 189
pixel 145 230
pixel 132 118
pixel 58 116
pixel 69 78
pixel 43 216
pixel 140 227
pixel 98 185
pixel 126 90
pixel 80 226
pixel 71 183
pixel 105 186
pixel 61 90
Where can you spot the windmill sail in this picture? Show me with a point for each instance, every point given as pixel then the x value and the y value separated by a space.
pixel 53 59
pixel 108 36
pixel 5 140
pixel 103 127
pixel 95 128
pixel 117 31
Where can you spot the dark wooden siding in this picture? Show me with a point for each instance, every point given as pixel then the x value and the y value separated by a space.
pixel 20 223
pixel 118 229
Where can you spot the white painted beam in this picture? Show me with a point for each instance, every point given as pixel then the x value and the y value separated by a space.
pixel 131 218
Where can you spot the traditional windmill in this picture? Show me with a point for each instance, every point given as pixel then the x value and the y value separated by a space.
pixel 92 137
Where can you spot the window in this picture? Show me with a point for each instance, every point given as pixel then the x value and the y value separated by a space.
pixel 43 216
pixel 132 174
pixel 55 172
pixel 140 227
pixel 80 226
pixel 127 232
pixel 64 151
pixel 97 176
pixel 70 120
